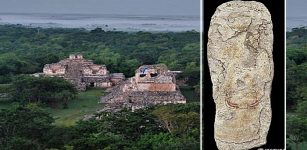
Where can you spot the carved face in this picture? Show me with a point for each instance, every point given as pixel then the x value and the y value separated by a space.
pixel 240 85
pixel 242 91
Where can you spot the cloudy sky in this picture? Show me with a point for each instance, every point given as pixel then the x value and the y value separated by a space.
pixel 296 8
pixel 130 7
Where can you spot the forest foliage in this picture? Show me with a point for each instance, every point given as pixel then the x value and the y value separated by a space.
pixel 49 91
pixel 296 79
pixel 26 50
pixel 27 125
pixel 30 127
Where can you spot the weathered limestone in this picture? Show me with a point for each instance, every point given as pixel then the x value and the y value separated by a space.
pixel 83 73
pixel 240 59
pixel 151 85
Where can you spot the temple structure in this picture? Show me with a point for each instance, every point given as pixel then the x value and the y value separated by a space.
pixel 83 73
pixel 151 85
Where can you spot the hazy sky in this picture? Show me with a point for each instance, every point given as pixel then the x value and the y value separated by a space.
pixel 296 8
pixel 134 7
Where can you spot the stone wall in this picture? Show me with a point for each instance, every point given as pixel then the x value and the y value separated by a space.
pixel 117 78
pixel 156 86
pixel 83 73
pixel 75 56
pixel 54 69
pixel 95 70
pixel 153 74
pixel 97 81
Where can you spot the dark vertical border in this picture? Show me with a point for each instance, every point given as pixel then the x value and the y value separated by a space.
pixel 276 135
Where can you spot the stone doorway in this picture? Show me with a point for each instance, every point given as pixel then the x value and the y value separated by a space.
pixel 92 84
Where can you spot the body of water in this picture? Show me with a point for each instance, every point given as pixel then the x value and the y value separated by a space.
pixel 294 22
pixel 106 22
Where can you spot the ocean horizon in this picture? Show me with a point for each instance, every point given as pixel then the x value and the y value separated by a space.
pixel 296 22
pixel 107 22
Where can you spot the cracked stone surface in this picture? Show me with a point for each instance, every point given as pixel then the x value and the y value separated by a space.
pixel 240 44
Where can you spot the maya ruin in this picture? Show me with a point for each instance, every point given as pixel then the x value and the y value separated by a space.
pixel 151 85
pixel 83 73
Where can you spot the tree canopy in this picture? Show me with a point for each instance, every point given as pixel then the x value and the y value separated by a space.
pixel 30 127
pixel 296 79
pixel 43 90
pixel 25 50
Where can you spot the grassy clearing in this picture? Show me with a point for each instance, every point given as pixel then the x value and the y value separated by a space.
pixel 86 103
pixel 189 94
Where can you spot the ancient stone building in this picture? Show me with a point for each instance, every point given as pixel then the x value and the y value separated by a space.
pixel 83 73
pixel 151 85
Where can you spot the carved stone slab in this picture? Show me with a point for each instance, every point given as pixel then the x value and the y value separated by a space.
pixel 240 59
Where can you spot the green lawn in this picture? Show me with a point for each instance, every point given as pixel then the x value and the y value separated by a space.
pixel 86 103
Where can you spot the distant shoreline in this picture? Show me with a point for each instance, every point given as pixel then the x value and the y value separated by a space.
pixel 107 22
pixel 295 22
pixel 94 15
